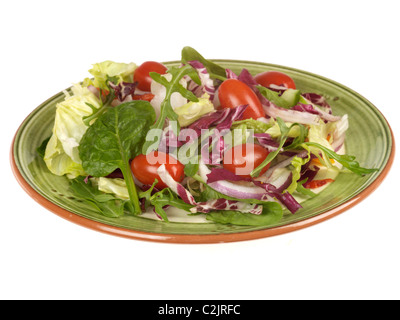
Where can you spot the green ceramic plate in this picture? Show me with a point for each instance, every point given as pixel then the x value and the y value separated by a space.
pixel 369 138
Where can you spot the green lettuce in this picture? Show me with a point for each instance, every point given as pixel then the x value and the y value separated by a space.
pixel 103 71
pixel 192 111
pixel 61 154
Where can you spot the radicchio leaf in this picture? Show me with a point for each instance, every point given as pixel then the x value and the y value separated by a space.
pixel 207 84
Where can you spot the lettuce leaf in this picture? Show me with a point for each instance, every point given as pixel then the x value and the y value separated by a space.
pixel 61 155
pixel 192 111
pixel 120 72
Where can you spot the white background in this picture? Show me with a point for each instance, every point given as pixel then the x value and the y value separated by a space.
pixel 48 45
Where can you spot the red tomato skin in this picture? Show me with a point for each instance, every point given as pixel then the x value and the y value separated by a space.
pixel 275 77
pixel 233 93
pixel 245 157
pixel 141 74
pixel 144 168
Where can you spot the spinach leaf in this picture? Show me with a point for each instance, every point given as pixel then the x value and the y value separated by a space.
pixel 191 168
pixel 106 204
pixel 215 71
pixel 167 112
pixel 116 137
pixel 272 213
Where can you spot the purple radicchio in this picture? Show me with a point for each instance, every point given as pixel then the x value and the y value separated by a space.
pixel 207 84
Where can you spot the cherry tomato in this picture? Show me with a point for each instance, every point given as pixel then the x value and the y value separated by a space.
pixel 142 76
pixel 144 168
pixel 244 158
pixel 233 93
pixel 275 77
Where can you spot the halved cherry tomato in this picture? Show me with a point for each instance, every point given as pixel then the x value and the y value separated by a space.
pixel 233 93
pixel 144 168
pixel 244 158
pixel 142 76
pixel 275 77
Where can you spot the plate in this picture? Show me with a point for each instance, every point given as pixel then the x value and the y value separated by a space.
pixel 369 138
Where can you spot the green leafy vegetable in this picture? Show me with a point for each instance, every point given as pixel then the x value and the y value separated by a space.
pixel 167 111
pixel 257 126
pixel 192 111
pixel 284 135
pixel 163 198
pixel 42 148
pixel 62 155
pixel 297 164
pixel 300 188
pixel 116 137
pixel 191 168
pixel 272 213
pixel 347 161
pixel 288 99
pixel 105 204
pixel 105 70
pixel 215 71
pixel 104 106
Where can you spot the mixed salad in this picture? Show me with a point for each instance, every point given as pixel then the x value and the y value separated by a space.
pixel 237 148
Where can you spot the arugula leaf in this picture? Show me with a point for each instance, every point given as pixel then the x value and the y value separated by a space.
pixel 104 106
pixel 272 213
pixel 300 188
pixel 215 71
pixel 163 198
pixel 347 161
pixel 284 135
pixel 167 111
pixel 278 100
pixel 106 204
pixel 116 137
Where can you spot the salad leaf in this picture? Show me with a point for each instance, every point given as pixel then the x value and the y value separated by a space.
pixel 256 125
pixel 105 70
pixel 105 204
pixel 115 137
pixel 348 161
pixel 215 71
pixel 284 135
pixel 297 164
pixel 42 148
pixel 272 213
pixel 162 199
pixel 279 100
pixel 192 111
pixel 61 155
pixel 301 189
pixel 167 112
